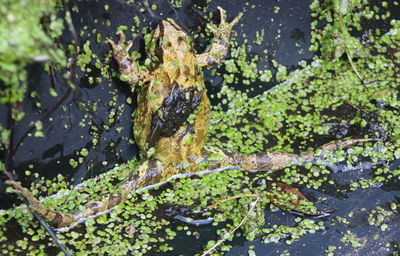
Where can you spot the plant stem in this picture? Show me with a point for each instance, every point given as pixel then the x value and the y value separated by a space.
pixel 224 237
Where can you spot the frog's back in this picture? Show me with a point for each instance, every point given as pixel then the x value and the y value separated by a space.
pixel 171 122
pixel 176 54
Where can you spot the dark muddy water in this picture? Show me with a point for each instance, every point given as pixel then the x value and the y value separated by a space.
pixel 65 134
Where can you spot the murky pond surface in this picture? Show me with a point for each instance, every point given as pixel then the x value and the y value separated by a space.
pixel 363 216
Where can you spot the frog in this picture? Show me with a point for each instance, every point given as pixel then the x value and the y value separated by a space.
pixel 173 109
pixel 173 90
pixel 172 118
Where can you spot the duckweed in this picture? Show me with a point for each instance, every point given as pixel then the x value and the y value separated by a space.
pixel 293 117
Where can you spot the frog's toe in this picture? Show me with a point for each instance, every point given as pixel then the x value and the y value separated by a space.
pixel 223 17
pixel 121 42
pixel 235 20
pixel 223 27
pixel 213 28
pixel 121 37
pixel 111 42
pixel 115 47
pixel 222 14
pixel 120 46
pixel 129 45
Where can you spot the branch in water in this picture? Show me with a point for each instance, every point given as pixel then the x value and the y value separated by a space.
pixel 225 236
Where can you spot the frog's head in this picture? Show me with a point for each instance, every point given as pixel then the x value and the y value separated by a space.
pixel 171 40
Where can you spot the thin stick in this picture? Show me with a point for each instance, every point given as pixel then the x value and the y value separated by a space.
pixel 43 223
pixel 232 197
pixel 254 203
pixel 148 9
pixel 52 234
pixel 45 117
pixel 182 24
pixel 354 67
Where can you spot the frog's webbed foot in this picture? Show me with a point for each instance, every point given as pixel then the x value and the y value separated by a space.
pixel 219 48
pixel 128 67
pixel 224 29
pixel 120 46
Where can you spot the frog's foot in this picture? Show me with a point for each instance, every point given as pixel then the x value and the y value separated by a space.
pixel 127 65
pixel 224 30
pixel 120 46
pixel 219 48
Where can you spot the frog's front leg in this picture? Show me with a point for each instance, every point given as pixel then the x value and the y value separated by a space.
pixel 219 47
pixel 129 68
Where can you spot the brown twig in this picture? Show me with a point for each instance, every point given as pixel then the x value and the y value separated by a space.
pixel 230 198
pixel 46 116
pixel 149 11
pixel 224 237
pixel 53 77
pixel 352 105
pixel 182 24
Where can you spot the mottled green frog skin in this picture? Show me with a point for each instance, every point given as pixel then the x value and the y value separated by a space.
pixel 173 113
pixel 174 92
pixel 172 119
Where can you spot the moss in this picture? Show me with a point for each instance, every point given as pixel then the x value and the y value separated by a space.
pixel 30 44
